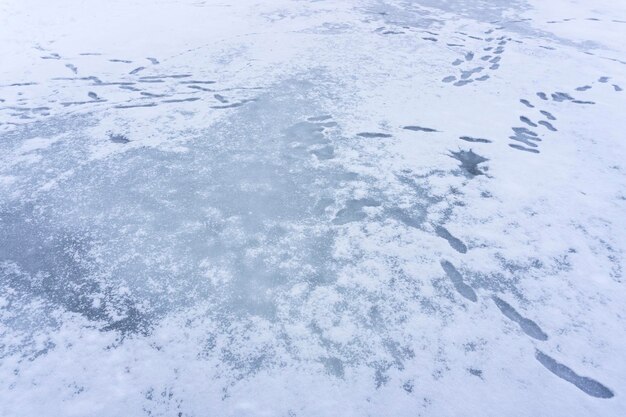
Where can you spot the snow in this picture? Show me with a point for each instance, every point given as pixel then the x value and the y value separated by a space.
pixel 312 208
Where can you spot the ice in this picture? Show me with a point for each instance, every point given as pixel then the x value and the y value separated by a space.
pixel 312 208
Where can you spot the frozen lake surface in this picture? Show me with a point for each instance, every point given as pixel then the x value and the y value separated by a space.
pixel 312 208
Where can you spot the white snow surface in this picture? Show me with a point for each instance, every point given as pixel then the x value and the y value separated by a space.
pixel 312 208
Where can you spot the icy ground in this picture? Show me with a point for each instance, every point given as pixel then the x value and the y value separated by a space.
pixel 312 208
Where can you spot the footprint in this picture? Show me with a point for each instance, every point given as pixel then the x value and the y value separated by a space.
pixel 617 87
pixel 136 70
pixel 526 120
pixel 154 61
pixel 319 118
pixel 466 74
pixel 527 137
pixel 454 242
pixel 123 61
pixel 548 125
pixel 548 114
pixel 457 280
pixel 587 385
pixel 72 68
pixel 542 96
pixel 528 326
pixel 494 67
pixel 373 135
pixel 526 103
pixel 93 95
pixel 420 129
pixel 483 78
pixel 52 56
pixel 560 97
pixel 474 140
pixel 132 106
pixel 233 105
pixel 147 94
pixel 583 88
pixel 457 62
pixel 469 56
pixel 181 100
pixel 449 79
pixel 461 83
pixel 197 82
pixel 220 98
pixel 118 138
pixel 521 148
pixel 603 80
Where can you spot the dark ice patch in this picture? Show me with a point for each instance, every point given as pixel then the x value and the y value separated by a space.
pixel 469 161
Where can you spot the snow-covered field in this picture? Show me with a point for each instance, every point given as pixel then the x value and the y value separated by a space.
pixel 312 208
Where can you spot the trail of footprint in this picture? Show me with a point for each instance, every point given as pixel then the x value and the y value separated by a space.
pixel 587 385
pixel 528 326
pixel 457 280
pixel 454 242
